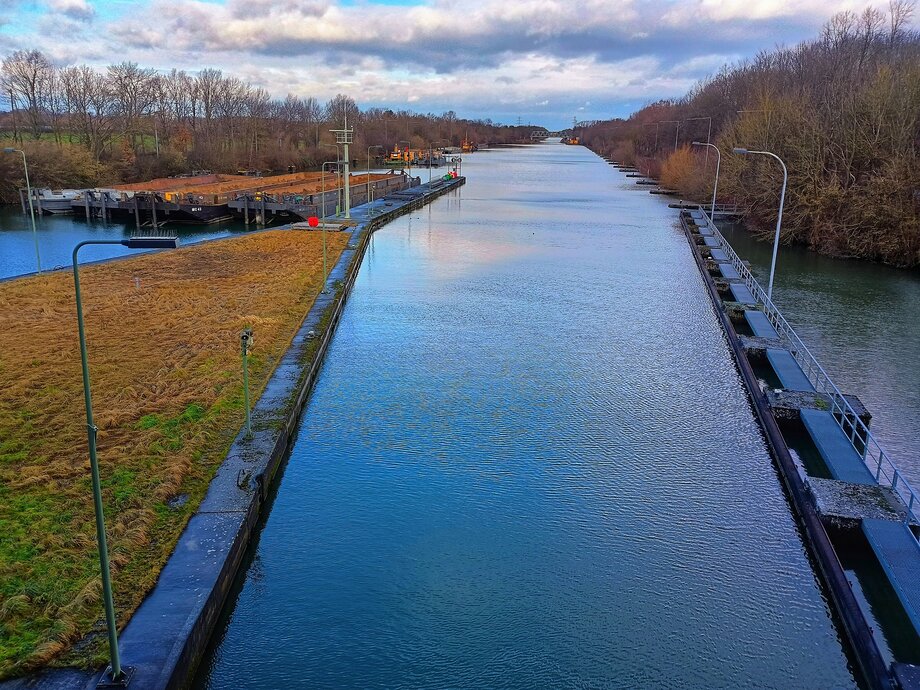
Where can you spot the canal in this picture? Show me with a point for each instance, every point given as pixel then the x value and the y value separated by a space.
pixel 529 462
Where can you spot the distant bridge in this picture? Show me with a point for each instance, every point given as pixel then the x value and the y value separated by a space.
pixel 543 133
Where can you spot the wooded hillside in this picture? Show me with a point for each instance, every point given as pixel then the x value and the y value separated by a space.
pixel 842 111
pixel 82 126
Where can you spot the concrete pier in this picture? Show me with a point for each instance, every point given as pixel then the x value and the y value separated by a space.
pixel 855 488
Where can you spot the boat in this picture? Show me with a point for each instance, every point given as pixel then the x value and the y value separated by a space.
pixel 436 160
pixel 53 201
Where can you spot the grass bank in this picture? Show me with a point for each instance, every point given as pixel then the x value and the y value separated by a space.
pixel 163 336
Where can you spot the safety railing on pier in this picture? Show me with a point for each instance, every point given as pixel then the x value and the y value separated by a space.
pixel 729 209
pixel 875 457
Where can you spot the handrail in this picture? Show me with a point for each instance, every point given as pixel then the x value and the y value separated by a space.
pixel 870 450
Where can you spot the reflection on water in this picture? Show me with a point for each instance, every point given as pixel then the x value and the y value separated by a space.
pixel 529 463
pixel 862 322
pixel 57 236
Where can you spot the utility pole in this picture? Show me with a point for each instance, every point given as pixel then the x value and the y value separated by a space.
pixel 345 137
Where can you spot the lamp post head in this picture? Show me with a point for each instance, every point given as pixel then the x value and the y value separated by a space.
pixel 151 242
pixel 699 143
pixel 9 149
pixel 740 151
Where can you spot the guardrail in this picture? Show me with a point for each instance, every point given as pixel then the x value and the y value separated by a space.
pixel 874 456
pixel 732 209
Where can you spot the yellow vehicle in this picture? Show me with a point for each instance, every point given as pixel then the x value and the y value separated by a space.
pixel 399 158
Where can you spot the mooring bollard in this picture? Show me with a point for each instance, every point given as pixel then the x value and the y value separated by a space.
pixel 246 341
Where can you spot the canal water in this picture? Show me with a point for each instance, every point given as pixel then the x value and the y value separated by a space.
pixel 529 462
pixel 862 322
pixel 57 236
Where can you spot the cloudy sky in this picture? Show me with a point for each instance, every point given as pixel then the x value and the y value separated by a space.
pixel 543 61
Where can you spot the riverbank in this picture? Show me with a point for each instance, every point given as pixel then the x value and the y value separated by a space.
pixel 691 174
pixel 163 336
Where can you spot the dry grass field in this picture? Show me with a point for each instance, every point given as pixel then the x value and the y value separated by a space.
pixel 163 338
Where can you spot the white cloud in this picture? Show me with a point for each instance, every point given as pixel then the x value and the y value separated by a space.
pixel 80 10
pixel 478 57
pixel 755 10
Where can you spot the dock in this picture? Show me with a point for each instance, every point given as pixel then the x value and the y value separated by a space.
pixel 301 200
pixel 723 211
pixel 213 198
pixel 846 486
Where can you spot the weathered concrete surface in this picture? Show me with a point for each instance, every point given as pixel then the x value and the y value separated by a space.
pixel 166 636
pixel 786 404
pixel 845 504
pixel 757 346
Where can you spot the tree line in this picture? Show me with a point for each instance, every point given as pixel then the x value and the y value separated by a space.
pixel 81 125
pixel 843 113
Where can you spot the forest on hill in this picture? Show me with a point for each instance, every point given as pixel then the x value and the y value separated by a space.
pixel 842 111
pixel 82 126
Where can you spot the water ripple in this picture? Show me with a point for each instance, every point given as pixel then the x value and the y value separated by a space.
pixel 529 463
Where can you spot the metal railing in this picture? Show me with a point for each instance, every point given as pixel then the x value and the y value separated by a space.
pixel 874 456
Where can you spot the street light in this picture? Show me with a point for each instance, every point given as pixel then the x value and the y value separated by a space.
pixel 25 165
pixel 708 132
pixel 715 187
pixel 338 193
pixel 116 672
pixel 649 124
pixel 676 133
pixel 323 176
pixel 408 154
pixel 779 218
pixel 368 170
pixel 345 136
pixel 430 144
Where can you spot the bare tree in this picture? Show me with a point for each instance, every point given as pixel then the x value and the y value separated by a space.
pixel 27 76
pixel 134 95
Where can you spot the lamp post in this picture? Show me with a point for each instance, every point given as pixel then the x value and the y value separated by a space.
pixel 25 165
pixel 338 193
pixel 368 170
pixel 115 670
pixel 408 153
pixel 649 124
pixel 344 137
pixel 779 218
pixel 715 187
pixel 430 144
pixel 708 131
pixel 246 341
pixel 323 176
pixel 676 133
